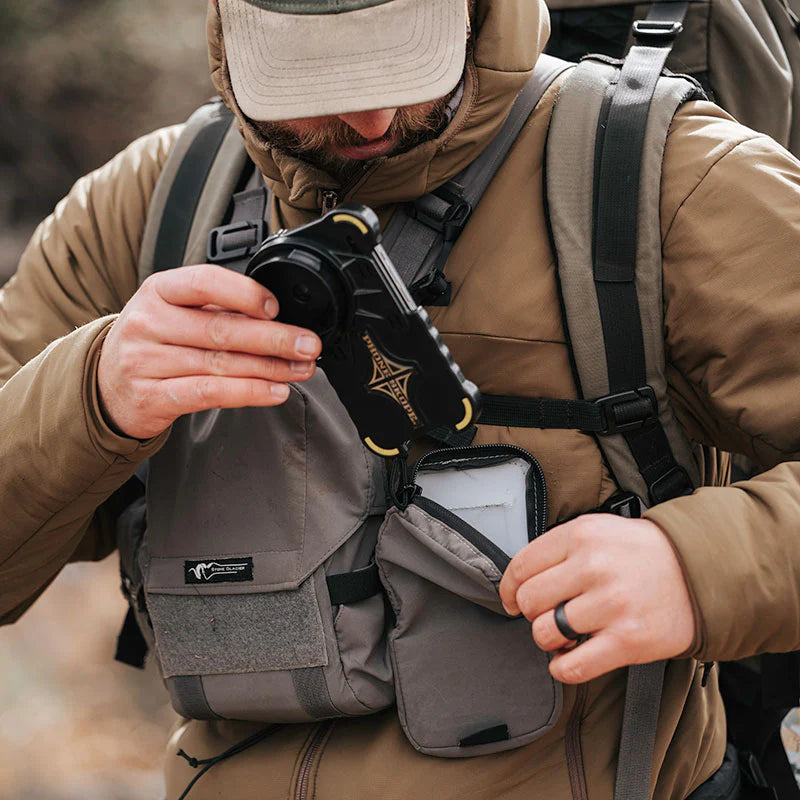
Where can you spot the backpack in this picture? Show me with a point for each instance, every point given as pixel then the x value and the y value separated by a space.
pixel 745 53
pixel 624 400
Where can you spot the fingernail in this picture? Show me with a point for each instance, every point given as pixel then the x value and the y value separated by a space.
pixel 306 345
pixel 280 391
pixel 271 307
pixel 301 367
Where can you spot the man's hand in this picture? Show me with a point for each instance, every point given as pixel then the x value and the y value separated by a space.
pixel 623 585
pixel 196 338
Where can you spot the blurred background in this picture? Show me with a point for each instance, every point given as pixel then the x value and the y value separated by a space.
pixel 79 79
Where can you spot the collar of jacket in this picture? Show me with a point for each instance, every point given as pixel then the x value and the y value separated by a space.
pixel 509 36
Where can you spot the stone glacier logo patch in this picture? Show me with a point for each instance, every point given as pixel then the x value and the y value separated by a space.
pixel 219 570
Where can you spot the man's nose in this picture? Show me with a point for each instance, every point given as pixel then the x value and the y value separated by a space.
pixel 370 124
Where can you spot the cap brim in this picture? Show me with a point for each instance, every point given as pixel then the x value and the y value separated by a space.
pixel 290 66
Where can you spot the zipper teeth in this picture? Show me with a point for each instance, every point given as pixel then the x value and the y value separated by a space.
pixel 574 751
pixel 304 773
pixel 526 455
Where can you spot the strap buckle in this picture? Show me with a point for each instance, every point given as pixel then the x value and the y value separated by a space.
pixel 234 241
pixel 432 289
pixel 672 484
pixel 626 504
pixel 627 411
pixel 451 222
pixel 656 33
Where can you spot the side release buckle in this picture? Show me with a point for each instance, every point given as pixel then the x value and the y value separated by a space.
pixel 234 241
pixel 627 411
pixel 656 33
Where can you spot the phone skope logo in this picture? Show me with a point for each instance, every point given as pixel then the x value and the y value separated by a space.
pixel 219 570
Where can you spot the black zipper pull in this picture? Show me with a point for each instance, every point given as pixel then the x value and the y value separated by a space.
pixel 329 201
pixel 707 667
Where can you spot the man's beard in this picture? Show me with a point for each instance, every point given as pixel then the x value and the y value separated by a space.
pixel 411 126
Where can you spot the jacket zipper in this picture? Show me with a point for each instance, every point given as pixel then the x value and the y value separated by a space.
pixel 455 451
pixel 572 745
pixel 306 769
pixel 329 201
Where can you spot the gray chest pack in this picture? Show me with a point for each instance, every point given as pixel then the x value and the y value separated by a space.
pixel 278 579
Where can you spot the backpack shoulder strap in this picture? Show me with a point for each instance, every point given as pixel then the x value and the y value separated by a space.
pixel 193 191
pixel 605 150
pixel 604 156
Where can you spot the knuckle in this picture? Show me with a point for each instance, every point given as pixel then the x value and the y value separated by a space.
pixel 216 362
pixel 596 565
pixel 204 389
pixel 279 340
pixel 542 631
pixel 200 279
pixel 218 331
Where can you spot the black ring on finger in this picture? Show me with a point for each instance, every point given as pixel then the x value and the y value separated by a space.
pixel 566 630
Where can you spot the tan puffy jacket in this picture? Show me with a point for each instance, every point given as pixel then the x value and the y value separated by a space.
pixel 731 240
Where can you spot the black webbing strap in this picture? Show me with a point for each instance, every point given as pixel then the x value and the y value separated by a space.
pixel 420 236
pixel 621 135
pixel 620 146
pixel 351 587
pixel 132 647
pixel 184 195
pixel 627 411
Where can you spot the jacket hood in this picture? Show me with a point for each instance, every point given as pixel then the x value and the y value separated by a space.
pixel 509 35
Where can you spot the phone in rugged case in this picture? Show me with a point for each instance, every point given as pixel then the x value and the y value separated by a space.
pixel 381 353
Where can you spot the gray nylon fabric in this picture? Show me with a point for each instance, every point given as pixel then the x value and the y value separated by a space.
pixel 312 692
pixel 220 185
pixel 639 725
pixel 570 165
pixel 454 651
pixel 204 116
pixel 188 697
pixel 218 634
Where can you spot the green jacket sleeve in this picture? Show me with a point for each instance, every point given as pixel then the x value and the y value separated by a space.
pixel 59 459
pixel 732 305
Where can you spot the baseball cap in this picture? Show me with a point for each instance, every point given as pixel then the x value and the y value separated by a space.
pixel 289 59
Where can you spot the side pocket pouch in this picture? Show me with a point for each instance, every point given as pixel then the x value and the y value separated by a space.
pixel 469 679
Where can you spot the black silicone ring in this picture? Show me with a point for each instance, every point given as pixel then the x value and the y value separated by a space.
pixel 567 631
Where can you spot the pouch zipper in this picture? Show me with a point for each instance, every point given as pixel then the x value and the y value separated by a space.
pixel 511 448
pixel 306 768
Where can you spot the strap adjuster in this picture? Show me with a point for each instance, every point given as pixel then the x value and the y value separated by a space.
pixel 656 33
pixel 627 411
pixel 234 241
pixel 625 504
pixel 674 483
pixel 451 222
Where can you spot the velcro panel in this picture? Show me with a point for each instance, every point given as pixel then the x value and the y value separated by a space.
pixel 220 634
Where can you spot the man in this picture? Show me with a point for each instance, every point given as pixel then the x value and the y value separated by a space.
pixel 708 577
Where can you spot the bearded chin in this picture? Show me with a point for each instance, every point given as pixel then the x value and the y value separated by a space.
pixel 411 126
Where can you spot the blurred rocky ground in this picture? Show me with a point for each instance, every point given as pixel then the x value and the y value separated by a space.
pixel 78 81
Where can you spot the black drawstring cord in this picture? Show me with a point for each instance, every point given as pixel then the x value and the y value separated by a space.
pixel 235 749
